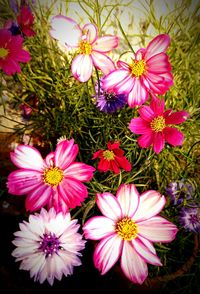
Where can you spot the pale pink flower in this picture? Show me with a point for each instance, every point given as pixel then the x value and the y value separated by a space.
pixel 129 226
pixel 149 71
pixel 55 181
pixel 90 49
pixel 48 245
pixel 155 125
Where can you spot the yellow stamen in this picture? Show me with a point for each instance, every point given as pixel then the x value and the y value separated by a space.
pixel 108 155
pixel 158 124
pixel 127 229
pixel 85 47
pixel 53 176
pixel 138 67
pixel 3 52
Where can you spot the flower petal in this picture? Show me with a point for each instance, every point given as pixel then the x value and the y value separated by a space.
pixel 102 62
pixel 150 204
pixel 145 140
pixel 98 227
pixel 158 63
pixel 105 43
pixel 90 31
pixel 114 78
pixel 128 198
pixel 173 136
pixel 177 117
pixel 133 266
pixel 158 142
pixel 146 113
pixel 139 126
pixel 38 198
pixel 123 162
pixel 109 206
pixel 82 67
pixel 157 105
pixel 65 153
pixel 79 171
pixel 159 44
pixel 138 94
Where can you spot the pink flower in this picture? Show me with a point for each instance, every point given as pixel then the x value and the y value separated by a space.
pixel 55 181
pixel 149 71
pixel 25 20
pixel 155 125
pixel 129 226
pixel 48 245
pixel 11 52
pixel 91 50
pixel 112 159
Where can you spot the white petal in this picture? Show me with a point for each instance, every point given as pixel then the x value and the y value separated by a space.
pixel 128 198
pixel 109 206
pixel 98 227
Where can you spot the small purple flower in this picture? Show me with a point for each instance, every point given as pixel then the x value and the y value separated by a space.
pixel 13 27
pixel 108 102
pixel 179 192
pixel 189 218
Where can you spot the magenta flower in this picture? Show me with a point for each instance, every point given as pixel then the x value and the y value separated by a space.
pixel 90 49
pixel 11 52
pixel 149 71
pixel 155 125
pixel 55 181
pixel 48 245
pixel 127 231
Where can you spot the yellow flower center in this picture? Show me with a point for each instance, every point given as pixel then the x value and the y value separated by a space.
pixel 138 67
pixel 85 47
pixel 158 124
pixel 108 155
pixel 3 52
pixel 127 229
pixel 53 176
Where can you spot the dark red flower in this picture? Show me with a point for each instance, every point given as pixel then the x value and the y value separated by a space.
pixel 25 20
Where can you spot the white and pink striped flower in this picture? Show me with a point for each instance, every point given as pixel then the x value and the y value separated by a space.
pixel 48 245
pixel 55 181
pixel 129 226
pixel 148 72
pixel 90 49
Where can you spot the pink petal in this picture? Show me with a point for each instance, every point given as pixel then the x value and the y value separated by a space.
pixel 159 44
pixel 146 113
pixel 148 244
pixel 65 30
pixel 139 126
pixel 145 253
pixel 65 153
pixel 90 31
pixel 138 94
pixel 173 136
pixel 114 78
pixel 10 66
pixel 157 229
pixel 177 117
pixel 25 156
pixel 158 63
pixel 38 198
pixel 107 253
pixel 102 62
pixel 123 65
pixel 22 56
pixel 150 204
pixel 98 227
pixel 133 266
pixel 157 105
pixel 157 88
pixel 125 86
pixel 128 198
pixel 158 142
pixel 79 171
pixel 105 43
pixel 82 67
pixel 145 140
pixel 109 206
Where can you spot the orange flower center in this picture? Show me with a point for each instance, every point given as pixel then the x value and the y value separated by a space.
pixel 85 47
pixel 53 176
pixel 3 52
pixel 158 124
pixel 138 67
pixel 108 155
pixel 127 229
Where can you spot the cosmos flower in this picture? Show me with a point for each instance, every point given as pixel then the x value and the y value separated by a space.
pixel 149 71
pixel 179 192
pixel 129 226
pixel 189 219
pixel 11 52
pixel 48 245
pixel 25 20
pixel 55 181
pixel 108 102
pixel 155 125
pixel 112 159
pixel 90 49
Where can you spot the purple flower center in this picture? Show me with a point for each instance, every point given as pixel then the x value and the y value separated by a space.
pixel 50 244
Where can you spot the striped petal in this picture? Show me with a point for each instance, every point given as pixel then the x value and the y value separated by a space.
pixel 109 206
pixel 98 227
pixel 128 198
pixel 82 67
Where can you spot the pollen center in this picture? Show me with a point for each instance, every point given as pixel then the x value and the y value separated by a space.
pixel 53 176
pixel 108 155
pixel 3 52
pixel 85 47
pixel 126 229
pixel 50 244
pixel 138 67
pixel 158 124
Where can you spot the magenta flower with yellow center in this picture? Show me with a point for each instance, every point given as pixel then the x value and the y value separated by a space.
pixel 155 125
pixel 91 50
pixel 129 226
pixel 55 181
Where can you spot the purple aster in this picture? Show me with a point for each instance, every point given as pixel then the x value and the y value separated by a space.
pixel 179 191
pixel 189 218
pixel 108 102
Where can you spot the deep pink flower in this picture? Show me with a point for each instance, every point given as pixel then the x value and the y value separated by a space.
pixel 55 181
pixel 25 20
pixel 11 52
pixel 112 159
pixel 129 226
pixel 149 71
pixel 91 50
pixel 154 124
